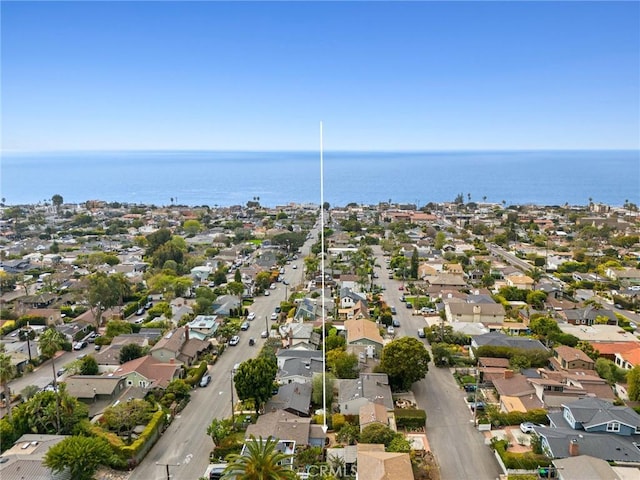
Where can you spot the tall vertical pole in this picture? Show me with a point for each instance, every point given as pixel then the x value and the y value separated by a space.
pixel 324 366
pixel 233 417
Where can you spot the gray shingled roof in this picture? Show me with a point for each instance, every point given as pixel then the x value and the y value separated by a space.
pixel 591 412
pixel 607 446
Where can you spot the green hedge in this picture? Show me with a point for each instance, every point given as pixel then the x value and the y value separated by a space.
pixel 195 374
pixel 519 461
pixel 156 422
pixel 537 416
pixel 410 418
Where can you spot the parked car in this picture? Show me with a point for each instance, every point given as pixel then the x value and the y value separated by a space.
pixel 252 342
pixel 390 330
pixel 393 310
pixel 80 345
pixel 477 405
pixel 266 293
pixel 396 322
pixel 469 387
pixel 421 333
pixel 264 334
pixel 140 311
pixel 251 316
pixel 274 316
pixel 273 286
pixel 409 305
pixel 205 380
pixel 245 326
pixel 294 266
pixel 235 340
pixel 527 427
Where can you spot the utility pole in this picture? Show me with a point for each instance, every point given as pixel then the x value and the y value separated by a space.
pixel 233 417
pixel 167 465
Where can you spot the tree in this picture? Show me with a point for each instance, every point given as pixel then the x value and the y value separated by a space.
pixel 57 200
pixel 130 351
pixel 316 389
pixel 439 240
pixel 88 366
pixel 192 227
pixel 124 417
pixel 218 430
pixel 80 456
pixel 7 373
pixel 103 294
pixel 261 461
pixel 348 434
pixel 633 381
pixel 342 364
pixel 405 360
pixel 50 342
pixel 254 380
pixel 237 289
pixel 377 433
pixel 413 269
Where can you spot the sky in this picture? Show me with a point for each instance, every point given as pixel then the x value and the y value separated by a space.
pixel 262 75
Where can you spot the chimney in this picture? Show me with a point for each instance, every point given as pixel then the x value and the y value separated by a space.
pixel 186 333
pixel 508 374
pixel 574 448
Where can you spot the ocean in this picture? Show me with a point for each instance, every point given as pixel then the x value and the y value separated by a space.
pixel 277 178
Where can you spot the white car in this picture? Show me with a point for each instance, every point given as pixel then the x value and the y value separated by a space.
pixel 251 316
pixel 266 293
pixel 273 286
pixel 274 316
pixel 527 427
pixel 235 340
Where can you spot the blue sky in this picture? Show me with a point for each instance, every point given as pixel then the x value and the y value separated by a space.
pixel 380 75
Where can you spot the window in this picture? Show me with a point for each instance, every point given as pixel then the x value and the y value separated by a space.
pixel 613 427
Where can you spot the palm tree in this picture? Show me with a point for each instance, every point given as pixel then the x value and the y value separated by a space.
pixel 50 342
pixel 260 461
pixel 7 373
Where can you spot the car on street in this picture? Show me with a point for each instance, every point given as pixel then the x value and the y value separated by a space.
pixel 251 316
pixel 80 345
pixel 245 326
pixel 421 333
pixel 527 427
pixel 409 305
pixel 60 372
pixel 396 322
pixel 294 266
pixel 235 340
pixel 252 342
pixel 274 316
pixel 264 334
pixel 400 287
pixel 393 310
pixel 266 293
pixel 205 380
pixel 140 311
pixel 273 286
pixel 390 330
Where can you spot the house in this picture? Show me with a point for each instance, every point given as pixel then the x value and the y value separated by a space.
pixel 447 280
pixel 372 412
pixel 595 427
pixel 224 304
pixel 203 327
pixel 569 358
pixel 583 467
pixel 588 316
pixel 362 331
pixel 498 339
pixel 369 387
pixel 485 313
pixel 554 393
pixel 516 393
pixel 178 346
pixel 296 333
pixel 299 370
pixel 293 397
pixel 521 282
pixel 376 464
pixel 349 298
pixel 24 459
pixel 51 315
pixel 146 372
pixel 303 355
pixel 91 388
pixel 281 424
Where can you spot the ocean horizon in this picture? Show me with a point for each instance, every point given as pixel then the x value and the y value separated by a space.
pixel 222 178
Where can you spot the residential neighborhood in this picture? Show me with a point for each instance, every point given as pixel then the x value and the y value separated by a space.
pixel 183 340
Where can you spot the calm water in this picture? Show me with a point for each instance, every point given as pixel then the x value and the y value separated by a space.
pixel 231 178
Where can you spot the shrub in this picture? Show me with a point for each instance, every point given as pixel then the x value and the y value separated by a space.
pixel 519 461
pixel 410 418
pixel 195 374
pixel 337 421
